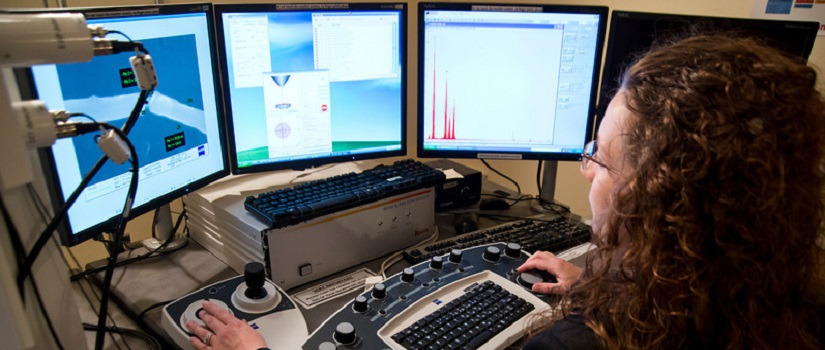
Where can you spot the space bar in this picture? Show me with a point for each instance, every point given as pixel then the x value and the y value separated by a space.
pixel 334 202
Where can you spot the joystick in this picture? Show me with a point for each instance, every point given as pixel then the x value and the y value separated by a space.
pixel 255 277
pixel 250 297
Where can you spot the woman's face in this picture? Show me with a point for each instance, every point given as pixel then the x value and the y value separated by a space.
pixel 610 148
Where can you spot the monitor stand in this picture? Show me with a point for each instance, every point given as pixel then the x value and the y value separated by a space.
pixel 164 229
pixel 548 186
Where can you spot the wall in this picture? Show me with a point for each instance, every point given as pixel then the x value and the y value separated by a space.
pixel 571 189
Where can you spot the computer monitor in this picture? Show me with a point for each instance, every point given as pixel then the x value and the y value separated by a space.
pixel 179 135
pixel 309 84
pixel 507 81
pixel 633 33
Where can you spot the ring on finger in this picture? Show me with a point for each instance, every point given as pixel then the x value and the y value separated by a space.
pixel 207 339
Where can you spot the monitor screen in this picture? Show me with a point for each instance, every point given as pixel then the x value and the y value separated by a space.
pixel 507 81
pixel 633 33
pixel 178 136
pixel 308 84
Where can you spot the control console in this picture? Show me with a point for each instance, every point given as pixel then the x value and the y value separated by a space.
pixel 468 299
pixel 250 297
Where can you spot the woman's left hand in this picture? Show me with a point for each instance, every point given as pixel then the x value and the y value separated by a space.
pixel 225 331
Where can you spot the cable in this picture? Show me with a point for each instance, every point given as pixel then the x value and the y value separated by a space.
pixel 121 33
pixel 118 236
pixel 19 250
pixel 83 115
pixel 150 340
pixel 152 253
pixel 518 188
pixel 25 270
pixel 152 307
pixel 397 256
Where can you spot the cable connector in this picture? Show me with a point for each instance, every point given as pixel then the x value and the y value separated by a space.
pixel 97 31
pixel 108 46
pixel 60 115
pixel 144 70
pixel 113 146
pixel 73 129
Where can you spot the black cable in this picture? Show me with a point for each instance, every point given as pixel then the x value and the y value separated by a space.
pixel 557 208
pixel 19 253
pixel 518 188
pixel 25 270
pixel 152 307
pixel 152 253
pixel 118 236
pixel 150 340
pixel 84 115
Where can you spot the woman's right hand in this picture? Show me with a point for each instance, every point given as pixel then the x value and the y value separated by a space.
pixel 565 272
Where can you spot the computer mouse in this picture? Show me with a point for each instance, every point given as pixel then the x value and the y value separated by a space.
pixel 530 277
pixel 493 204
pixel 465 223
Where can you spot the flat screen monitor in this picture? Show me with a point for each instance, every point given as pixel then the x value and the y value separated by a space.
pixel 633 33
pixel 309 84
pixel 178 136
pixel 507 81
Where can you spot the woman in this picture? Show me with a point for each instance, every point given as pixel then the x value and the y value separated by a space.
pixel 707 196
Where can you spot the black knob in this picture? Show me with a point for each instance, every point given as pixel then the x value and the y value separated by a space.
pixel 327 346
pixel 255 276
pixel 492 254
pixel 530 277
pixel 408 275
pixel 344 333
pixel 436 263
pixel 513 250
pixel 379 291
pixel 455 256
pixel 360 304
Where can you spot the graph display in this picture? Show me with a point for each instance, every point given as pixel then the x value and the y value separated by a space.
pixel 506 81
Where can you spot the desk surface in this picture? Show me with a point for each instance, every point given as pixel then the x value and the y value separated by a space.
pixel 138 286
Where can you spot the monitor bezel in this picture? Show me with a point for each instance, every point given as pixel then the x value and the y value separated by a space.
pixel 613 68
pixel 602 11
pixel 47 159
pixel 308 163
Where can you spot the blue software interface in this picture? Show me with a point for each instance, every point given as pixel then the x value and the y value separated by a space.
pixel 312 86
pixel 503 81
pixel 178 135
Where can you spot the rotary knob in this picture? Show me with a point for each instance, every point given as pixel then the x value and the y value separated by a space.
pixel 360 304
pixel 408 275
pixel 530 277
pixel 455 256
pixel 379 291
pixel 327 346
pixel 513 250
pixel 436 263
pixel 344 333
pixel 492 254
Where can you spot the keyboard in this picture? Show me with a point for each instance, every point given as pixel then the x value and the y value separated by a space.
pixel 292 205
pixel 555 235
pixel 469 299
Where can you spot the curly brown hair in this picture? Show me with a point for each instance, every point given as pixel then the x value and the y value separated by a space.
pixel 711 239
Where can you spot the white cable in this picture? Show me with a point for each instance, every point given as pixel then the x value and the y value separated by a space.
pixel 396 257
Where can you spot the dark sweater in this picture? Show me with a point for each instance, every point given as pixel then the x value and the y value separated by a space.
pixel 569 334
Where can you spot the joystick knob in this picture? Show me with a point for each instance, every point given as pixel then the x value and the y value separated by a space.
pixel 344 333
pixel 360 304
pixel 379 291
pixel 492 254
pixel 436 263
pixel 513 250
pixel 530 277
pixel 254 276
pixel 327 346
pixel 455 256
pixel 408 275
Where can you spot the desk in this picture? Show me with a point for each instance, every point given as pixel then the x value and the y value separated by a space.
pixel 140 285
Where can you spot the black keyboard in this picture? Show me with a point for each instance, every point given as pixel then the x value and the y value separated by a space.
pixel 468 321
pixel 292 205
pixel 532 235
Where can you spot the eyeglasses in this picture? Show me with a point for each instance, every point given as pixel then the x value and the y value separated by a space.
pixel 589 155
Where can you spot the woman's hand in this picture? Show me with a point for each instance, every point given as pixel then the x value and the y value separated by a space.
pixel 565 272
pixel 225 331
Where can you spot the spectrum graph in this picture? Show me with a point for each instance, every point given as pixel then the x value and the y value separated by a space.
pixel 449 113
